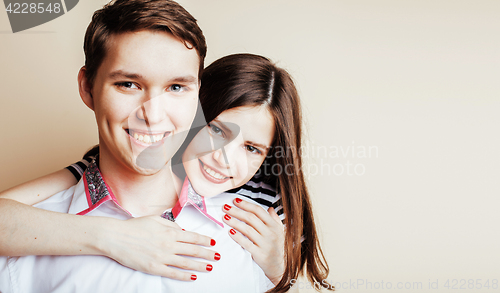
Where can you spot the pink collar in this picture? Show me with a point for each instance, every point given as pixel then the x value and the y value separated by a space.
pixel 96 189
pixel 189 195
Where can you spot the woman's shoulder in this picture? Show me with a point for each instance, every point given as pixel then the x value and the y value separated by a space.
pixel 261 192
pixel 79 167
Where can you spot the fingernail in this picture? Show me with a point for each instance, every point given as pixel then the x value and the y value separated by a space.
pixel 238 200
pixel 227 207
pixel 227 217
pixel 193 277
pixel 217 256
pixel 209 268
pixel 212 242
pixel 183 230
pixel 232 231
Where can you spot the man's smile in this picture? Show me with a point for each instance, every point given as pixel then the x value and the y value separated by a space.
pixel 146 137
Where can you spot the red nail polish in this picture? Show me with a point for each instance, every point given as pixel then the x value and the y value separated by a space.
pixel 227 207
pixel 232 231
pixel 209 268
pixel 183 230
pixel 238 200
pixel 217 256
pixel 193 277
pixel 212 242
pixel 227 217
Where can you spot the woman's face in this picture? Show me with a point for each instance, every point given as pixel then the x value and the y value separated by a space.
pixel 229 150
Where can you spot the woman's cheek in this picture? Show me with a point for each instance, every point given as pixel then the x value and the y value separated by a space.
pixel 254 163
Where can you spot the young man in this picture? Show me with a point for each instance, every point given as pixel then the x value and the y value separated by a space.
pixel 141 79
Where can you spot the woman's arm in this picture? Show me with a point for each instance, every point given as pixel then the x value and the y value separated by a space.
pixel 39 189
pixel 148 244
pixel 25 230
pixel 23 227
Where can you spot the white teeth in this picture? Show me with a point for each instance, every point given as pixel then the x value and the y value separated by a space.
pixel 148 139
pixel 213 173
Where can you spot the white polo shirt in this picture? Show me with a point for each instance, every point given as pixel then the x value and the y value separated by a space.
pixel 234 272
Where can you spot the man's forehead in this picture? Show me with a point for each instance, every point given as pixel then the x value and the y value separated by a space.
pixel 151 53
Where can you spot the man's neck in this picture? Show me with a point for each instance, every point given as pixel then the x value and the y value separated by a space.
pixel 141 195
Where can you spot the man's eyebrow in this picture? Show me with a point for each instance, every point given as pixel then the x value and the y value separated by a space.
pixel 121 74
pixel 185 79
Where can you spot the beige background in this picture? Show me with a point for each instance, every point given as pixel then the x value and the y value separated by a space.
pixel 417 81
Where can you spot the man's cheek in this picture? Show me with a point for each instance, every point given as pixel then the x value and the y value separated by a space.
pixel 184 115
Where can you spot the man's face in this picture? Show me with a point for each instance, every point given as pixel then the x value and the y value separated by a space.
pixel 144 97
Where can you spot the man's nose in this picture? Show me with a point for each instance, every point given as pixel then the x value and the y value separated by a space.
pixel 153 110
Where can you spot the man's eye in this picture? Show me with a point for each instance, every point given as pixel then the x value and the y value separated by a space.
pixel 176 88
pixel 253 149
pixel 215 130
pixel 127 84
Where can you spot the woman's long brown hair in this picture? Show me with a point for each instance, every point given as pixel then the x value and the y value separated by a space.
pixel 250 80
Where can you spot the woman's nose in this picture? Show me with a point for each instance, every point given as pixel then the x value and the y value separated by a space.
pixel 220 156
pixel 224 156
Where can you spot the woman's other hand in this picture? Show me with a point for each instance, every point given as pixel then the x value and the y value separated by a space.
pixel 264 233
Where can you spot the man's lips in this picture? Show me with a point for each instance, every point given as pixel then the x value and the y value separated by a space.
pixel 147 138
pixel 212 175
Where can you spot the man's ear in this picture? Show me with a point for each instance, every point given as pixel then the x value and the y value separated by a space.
pixel 85 89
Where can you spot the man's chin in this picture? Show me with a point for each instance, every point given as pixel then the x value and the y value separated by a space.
pixel 148 172
pixel 151 170
pixel 149 165
pixel 151 159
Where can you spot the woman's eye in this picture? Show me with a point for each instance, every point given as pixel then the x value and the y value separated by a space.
pixel 253 149
pixel 216 130
pixel 176 88
pixel 127 84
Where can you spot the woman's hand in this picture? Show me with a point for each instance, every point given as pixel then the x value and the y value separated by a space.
pixel 154 245
pixel 264 235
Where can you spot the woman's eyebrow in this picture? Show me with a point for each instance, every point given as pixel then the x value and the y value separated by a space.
pixel 229 131
pixel 264 147
pixel 226 126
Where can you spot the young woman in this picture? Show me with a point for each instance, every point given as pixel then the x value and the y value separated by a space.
pixel 254 112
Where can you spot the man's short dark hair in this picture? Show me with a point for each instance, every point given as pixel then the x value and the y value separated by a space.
pixel 121 16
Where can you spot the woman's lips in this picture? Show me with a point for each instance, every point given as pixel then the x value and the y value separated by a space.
pixel 212 175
